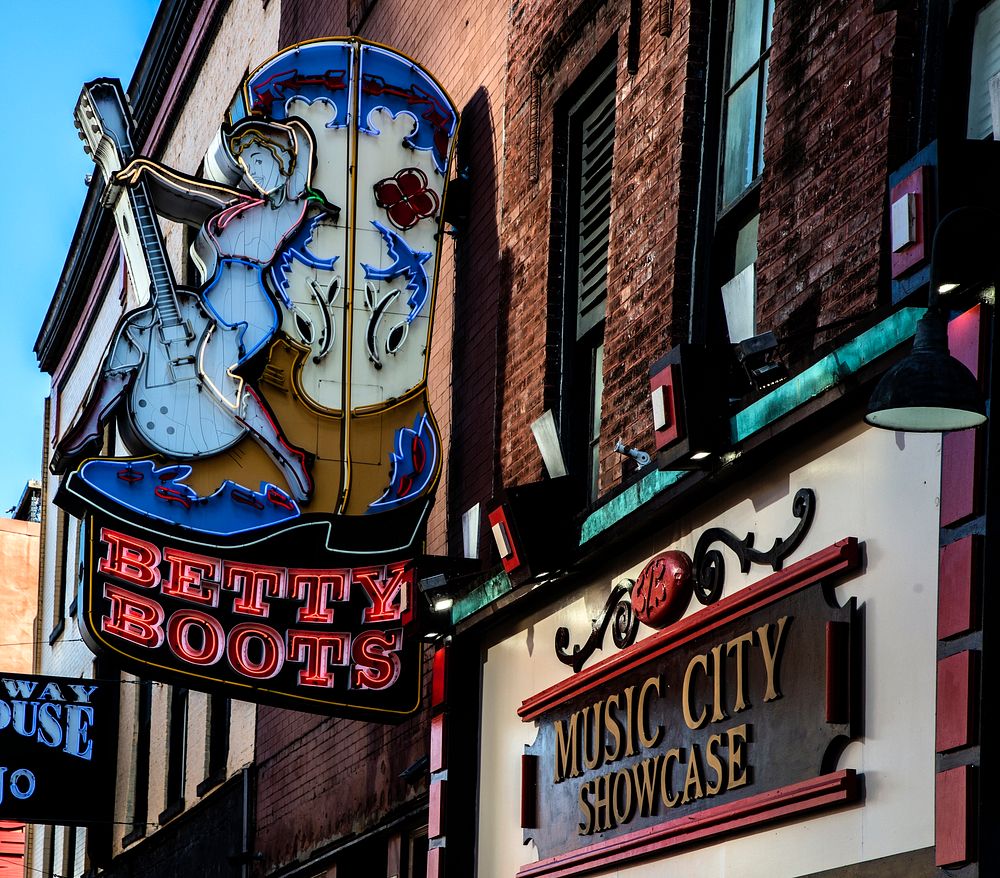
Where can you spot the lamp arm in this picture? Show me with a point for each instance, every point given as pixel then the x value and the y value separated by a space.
pixel 933 296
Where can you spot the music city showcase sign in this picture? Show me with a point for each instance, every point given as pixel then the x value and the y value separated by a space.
pixel 256 527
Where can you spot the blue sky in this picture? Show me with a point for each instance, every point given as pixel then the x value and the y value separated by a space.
pixel 47 51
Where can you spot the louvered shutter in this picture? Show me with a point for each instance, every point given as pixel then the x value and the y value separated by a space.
pixel 597 143
pixel 985 65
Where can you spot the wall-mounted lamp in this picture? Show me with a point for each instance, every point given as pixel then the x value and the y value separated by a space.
pixel 930 391
pixel 758 357
pixel 435 589
pixel 533 527
pixel 689 407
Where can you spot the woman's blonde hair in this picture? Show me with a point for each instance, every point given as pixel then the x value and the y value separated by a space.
pixel 239 143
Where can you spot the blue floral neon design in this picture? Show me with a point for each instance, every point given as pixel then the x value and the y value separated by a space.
pixel 406 262
pixel 410 476
pixel 297 248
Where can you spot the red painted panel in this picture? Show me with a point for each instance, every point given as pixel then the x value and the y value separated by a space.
pixel 825 564
pixel 744 815
pixel 958 587
pixel 961 474
pixel 439 679
pixel 961 479
pixel 916 252
pixel 435 808
pixel 953 816
pixel 966 341
pixel 437 743
pixel 954 701
pixel 435 863
pixel 499 516
pixel 673 429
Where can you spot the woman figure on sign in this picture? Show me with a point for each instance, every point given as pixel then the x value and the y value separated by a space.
pixel 242 236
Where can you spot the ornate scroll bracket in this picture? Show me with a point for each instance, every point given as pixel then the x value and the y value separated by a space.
pixel 710 567
pixel 618 608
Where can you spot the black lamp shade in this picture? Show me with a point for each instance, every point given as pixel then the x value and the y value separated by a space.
pixel 929 391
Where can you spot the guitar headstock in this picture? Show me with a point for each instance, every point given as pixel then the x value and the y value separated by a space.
pixel 104 122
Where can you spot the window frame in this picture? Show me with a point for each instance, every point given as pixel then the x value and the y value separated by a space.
pixel 578 351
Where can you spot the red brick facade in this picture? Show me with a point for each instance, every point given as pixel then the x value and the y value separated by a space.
pixel 834 131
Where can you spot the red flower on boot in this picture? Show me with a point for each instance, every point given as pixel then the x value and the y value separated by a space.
pixel 406 198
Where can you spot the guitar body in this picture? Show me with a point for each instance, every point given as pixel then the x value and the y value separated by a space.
pixel 169 409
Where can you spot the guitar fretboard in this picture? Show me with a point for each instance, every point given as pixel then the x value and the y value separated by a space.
pixel 162 292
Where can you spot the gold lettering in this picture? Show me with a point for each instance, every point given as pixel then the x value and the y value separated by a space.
pixel 593 736
pixel 644 783
pixel 587 827
pixel 741 661
pixel 667 778
pixel 614 726
pixel 737 757
pixel 622 793
pixel 602 802
pixel 689 719
pixel 693 777
pixel 648 741
pixel 718 710
pixel 629 725
pixel 567 755
pixel 771 656
pixel 715 763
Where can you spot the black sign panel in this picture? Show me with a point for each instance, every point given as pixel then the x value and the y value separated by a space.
pixel 267 622
pixel 756 703
pixel 58 742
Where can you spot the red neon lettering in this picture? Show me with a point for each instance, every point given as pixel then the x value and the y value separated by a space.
pixel 192 577
pixel 321 653
pixel 384 587
pixel 213 638
pixel 271 650
pixel 253 581
pixel 130 559
pixel 133 618
pixel 376 665
pixel 317 588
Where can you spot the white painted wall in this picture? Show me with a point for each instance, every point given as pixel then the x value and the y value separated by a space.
pixel 881 487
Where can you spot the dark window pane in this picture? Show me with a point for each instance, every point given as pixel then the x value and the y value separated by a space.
pixel 740 148
pixel 747 23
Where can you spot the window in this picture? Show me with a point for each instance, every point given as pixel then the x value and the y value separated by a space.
pixel 139 791
pixel 217 745
pixel 742 91
pixel 62 574
pixel 176 753
pixel 586 188
pixel 49 853
pixel 985 66
pixel 744 107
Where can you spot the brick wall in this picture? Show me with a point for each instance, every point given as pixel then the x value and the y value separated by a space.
pixel 652 211
pixel 835 129
pixel 322 780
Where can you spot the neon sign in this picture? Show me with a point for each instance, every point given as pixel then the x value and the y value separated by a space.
pixel 279 410
pixel 57 734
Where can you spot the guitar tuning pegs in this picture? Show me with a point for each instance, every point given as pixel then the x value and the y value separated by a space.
pixel 81 135
pixel 87 150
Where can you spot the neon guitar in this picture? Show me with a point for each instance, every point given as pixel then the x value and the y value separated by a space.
pixel 154 352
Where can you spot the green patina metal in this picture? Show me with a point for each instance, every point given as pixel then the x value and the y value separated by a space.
pixel 827 373
pixel 818 378
pixel 479 597
pixel 810 383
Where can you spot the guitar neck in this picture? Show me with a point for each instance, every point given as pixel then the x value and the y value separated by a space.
pixel 162 292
